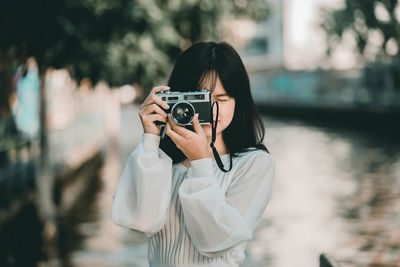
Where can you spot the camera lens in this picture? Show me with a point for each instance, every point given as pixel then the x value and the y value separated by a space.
pixel 182 113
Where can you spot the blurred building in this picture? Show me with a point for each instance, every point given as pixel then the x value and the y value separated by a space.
pixel 264 50
pixel 288 66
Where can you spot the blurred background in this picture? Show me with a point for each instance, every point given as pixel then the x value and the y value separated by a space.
pixel 324 73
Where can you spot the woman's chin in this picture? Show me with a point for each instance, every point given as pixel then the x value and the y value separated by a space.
pixel 207 129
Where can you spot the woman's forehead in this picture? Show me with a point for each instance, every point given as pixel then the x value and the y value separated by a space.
pixel 218 89
pixel 212 83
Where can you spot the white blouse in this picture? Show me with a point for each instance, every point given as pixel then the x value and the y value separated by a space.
pixel 199 216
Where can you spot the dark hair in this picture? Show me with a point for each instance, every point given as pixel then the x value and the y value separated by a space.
pixel 204 62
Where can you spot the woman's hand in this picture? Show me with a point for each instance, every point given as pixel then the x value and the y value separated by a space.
pixel 150 111
pixel 193 144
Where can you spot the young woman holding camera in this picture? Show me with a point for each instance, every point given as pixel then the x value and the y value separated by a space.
pixel 172 188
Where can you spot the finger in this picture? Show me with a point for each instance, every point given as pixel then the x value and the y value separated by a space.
pixel 176 138
pixel 159 89
pixel 167 126
pixel 156 117
pixel 153 108
pixel 177 128
pixel 149 99
pixel 196 124
pixel 154 99
pixel 146 101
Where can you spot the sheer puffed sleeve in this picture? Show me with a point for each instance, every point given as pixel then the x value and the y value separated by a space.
pixel 143 192
pixel 216 221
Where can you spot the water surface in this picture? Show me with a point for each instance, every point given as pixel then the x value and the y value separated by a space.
pixel 337 190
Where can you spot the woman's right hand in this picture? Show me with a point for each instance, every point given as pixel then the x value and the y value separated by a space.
pixel 151 111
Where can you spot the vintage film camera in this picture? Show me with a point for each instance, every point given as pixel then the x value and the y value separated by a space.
pixel 184 105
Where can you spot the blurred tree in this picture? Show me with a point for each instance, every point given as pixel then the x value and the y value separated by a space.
pixel 375 24
pixel 120 41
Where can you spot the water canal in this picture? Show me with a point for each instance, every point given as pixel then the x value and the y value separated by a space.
pixel 336 191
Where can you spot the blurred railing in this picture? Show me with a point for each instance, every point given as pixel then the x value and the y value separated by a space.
pixel 382 82
pixel 374 88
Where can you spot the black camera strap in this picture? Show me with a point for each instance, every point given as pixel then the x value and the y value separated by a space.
pixel 214 133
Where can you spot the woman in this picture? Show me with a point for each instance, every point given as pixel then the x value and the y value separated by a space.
pixel 172 189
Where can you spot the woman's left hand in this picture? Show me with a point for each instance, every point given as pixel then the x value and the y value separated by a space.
pixel 193 144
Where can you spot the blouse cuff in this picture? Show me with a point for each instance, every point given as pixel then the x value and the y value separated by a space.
pixel 150 142
pixel 202 167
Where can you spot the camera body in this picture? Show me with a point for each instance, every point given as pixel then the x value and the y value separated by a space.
pixel 184 105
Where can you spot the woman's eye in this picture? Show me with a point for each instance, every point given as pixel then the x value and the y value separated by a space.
pixel 222 100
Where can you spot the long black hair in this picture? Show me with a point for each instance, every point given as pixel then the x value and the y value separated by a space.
pixel 202 63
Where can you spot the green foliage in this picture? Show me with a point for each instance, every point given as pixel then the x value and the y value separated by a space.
pixel 362 18
pixel 119 41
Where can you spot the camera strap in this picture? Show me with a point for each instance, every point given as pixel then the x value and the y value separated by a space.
pixel 214 133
